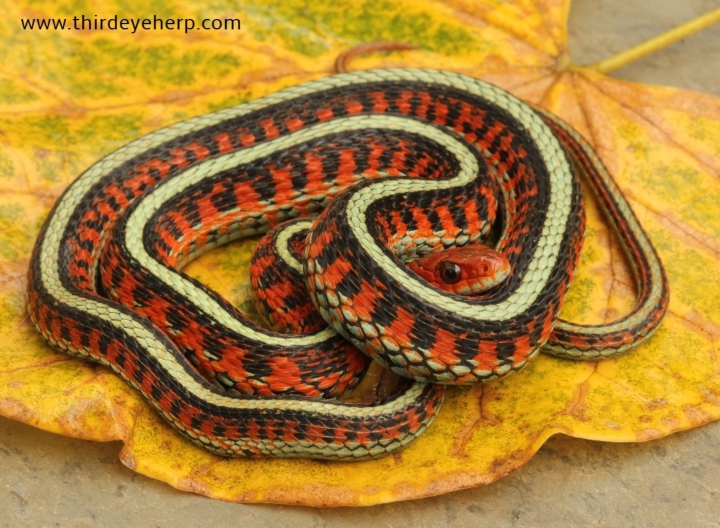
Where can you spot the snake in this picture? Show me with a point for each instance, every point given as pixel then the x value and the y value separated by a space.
pixel 390 166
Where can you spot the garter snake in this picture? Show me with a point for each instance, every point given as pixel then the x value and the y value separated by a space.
pixel 460 156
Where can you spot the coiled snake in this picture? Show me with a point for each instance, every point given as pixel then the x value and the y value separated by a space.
pixel 401 163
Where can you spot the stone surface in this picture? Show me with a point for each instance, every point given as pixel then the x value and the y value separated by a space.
pixel 601 28
pixel 49 480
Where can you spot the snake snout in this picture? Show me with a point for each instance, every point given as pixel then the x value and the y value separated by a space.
pixel 464 270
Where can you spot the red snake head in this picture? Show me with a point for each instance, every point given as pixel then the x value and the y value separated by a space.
pixel 464 270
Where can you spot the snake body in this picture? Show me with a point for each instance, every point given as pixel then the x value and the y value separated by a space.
pixel 104 281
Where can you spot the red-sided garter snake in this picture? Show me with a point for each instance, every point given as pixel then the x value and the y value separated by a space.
pixel 466 148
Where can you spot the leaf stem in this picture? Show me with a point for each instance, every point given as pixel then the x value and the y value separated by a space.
pixel 656 43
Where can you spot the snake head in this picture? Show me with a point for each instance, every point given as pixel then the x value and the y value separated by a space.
pixel 466 270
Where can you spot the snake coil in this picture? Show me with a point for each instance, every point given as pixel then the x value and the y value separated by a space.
pixel 401 163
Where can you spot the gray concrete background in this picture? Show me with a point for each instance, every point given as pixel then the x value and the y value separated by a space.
pixel 49 480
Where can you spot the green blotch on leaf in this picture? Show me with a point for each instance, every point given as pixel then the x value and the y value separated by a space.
pixel 163 65
pixel 17 240
pixel 104 67
pixel 576 302
pixel 706 130
pixel 12 308
pixel 116 128
pixel 12 92
pixel 58 143
pixel 310 28
pixel 61 133
pixel 7 167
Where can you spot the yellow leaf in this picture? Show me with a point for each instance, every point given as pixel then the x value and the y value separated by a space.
pixel 88 92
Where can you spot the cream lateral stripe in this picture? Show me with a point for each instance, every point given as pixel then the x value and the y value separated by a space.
pixel 283 238
pixel 547 253
pixel 132 327
pixel 50 245
pixel 150 203
pixel 642 240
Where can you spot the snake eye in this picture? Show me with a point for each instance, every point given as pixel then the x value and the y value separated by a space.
pixel 450 273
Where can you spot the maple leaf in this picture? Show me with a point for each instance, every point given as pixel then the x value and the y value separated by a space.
pixel 90 92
